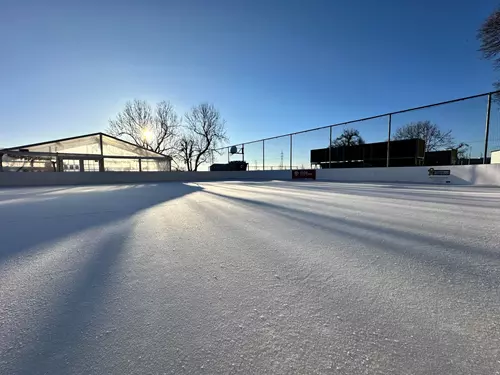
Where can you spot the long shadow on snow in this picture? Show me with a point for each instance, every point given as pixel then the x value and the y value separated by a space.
pixel 57 344
pixel 446 264
pixel 8 193
pixel 54 348
pixel 420 197
pixel 272 192
pixel 335 186
pixel 450 245
pixel 29 225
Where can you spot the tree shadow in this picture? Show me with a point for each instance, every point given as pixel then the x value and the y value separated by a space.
pixel 54 343
pixel 8 193
pixel 29 224
pixel 352 228
pixel 413 196
pixel 53 349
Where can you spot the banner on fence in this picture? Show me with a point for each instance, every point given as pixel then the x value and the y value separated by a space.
pixel 304 174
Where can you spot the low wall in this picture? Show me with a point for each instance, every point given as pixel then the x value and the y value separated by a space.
pixel 93 178
pixel 482 175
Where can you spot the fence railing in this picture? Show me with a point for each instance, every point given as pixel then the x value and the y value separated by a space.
pixel 471 125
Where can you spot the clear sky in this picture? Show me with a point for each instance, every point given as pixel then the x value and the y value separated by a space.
pixel 270 66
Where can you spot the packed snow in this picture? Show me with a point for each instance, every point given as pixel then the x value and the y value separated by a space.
pixel 274 277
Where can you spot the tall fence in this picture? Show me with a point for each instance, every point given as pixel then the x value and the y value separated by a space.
pixel 472 125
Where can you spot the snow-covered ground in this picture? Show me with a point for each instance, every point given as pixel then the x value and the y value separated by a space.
pixel 250 277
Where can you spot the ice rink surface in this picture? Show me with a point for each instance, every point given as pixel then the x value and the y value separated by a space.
pixel 251 278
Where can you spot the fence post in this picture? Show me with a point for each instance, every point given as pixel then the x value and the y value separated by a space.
pixel 291 152
pixel 389 140
pixel 487 129
pixel 330 150
pixel 263 155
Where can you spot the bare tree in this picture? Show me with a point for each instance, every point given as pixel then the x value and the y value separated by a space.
pixel 489 37
pixel 154 129
pixel 205 130
pixel 186 151
pixel 434 138
pixel 349 137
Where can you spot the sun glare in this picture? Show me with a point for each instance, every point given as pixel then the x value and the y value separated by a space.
pixel 147 135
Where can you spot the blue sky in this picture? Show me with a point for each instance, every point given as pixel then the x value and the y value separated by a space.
pixel 271 67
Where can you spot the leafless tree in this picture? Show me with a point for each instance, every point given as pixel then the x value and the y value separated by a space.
pixel 154 129
pixel 205 130
pixel 349 137
pixel 435 139
pixel 489 37
pixel 185 152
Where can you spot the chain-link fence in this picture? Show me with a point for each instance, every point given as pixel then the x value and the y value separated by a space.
pixel 460 131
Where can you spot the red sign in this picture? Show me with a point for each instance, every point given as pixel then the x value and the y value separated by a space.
pixel 304 173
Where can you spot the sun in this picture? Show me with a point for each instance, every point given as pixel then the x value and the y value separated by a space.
pixel 147 135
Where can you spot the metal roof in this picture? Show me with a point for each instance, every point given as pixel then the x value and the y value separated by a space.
pixel 83 136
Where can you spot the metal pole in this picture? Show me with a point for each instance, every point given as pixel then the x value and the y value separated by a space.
pixel 228 156
pixel 487 129
pixel 60 166
pixel 243 152
pixel 263 155
pixel 389 140
pixel 100 144
pixel 291 153
pixel 140 165
pixel 330 150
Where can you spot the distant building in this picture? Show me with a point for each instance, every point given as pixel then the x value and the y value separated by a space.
pixel 495 157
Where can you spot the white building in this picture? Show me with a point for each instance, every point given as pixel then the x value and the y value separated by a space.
pixel 97 152
pixel 495 157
